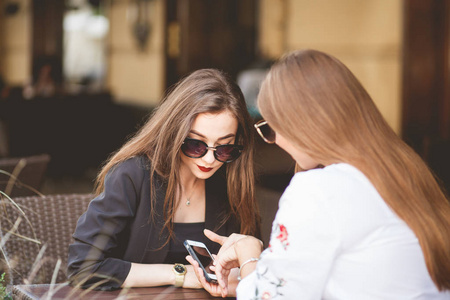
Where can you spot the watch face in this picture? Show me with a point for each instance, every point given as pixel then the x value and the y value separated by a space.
pixel 179 269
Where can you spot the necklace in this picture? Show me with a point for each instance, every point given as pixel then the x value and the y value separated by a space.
pixel 188 199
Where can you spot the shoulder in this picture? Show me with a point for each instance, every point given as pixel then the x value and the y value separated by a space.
pixel 135 169
pixel 322 201
pixel 125 184
pixel 136 164
pixel 335 186
pixel 337 177
pixel 140 162
pixel 342 193
pixel 336 172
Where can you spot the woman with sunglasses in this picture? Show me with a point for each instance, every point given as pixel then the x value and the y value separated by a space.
pixel 189 168
pixel 363 219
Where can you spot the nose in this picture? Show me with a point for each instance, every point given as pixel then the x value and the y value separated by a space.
pixel 209 157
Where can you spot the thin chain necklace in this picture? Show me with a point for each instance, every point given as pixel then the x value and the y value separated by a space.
pixel 188 199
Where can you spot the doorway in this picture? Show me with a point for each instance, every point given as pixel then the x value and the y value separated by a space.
pixel 209 34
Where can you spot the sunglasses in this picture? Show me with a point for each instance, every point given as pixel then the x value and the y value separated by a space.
pixel 265 131
pixel 224 153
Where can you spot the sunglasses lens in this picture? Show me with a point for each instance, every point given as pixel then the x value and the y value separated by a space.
pixel 268 133
pixel 227 153
pixel 193 148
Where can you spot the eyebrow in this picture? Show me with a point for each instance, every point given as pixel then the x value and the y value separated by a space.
pixel 219 139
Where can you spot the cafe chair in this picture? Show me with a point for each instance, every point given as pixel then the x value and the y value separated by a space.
pixel 27 174
pixel 31 252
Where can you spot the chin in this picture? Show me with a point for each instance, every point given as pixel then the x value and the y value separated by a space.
pixel 204 175
pixel 207 175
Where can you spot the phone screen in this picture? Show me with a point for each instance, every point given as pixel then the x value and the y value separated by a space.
pixel 202 255
pixel 205 259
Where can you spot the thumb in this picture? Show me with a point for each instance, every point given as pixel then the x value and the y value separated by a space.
pixel 215 237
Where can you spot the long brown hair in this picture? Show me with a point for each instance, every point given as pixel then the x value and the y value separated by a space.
pixel 315 101
pixel 160 139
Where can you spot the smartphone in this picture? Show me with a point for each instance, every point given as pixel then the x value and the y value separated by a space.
pixel 201 254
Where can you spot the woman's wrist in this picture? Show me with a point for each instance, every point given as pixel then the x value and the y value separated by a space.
pixel 248 251
pixel 244 264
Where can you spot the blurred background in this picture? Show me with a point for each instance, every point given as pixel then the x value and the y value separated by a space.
pixel 77 77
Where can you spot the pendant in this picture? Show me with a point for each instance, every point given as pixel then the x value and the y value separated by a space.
pixel 188 202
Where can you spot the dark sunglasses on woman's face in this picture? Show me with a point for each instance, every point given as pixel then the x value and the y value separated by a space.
pixel 265 131
pixel 224 153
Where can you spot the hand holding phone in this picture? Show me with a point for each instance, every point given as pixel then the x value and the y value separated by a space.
pixel 201 254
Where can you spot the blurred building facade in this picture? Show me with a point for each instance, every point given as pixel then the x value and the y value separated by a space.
pixel 397 48
pixel 366 35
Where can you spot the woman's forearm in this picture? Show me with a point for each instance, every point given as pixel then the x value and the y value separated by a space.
pixel 248 251
pixel 142 275
pixel 146 275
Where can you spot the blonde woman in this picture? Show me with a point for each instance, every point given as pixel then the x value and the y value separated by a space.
pixel 189 168
pixel 363 219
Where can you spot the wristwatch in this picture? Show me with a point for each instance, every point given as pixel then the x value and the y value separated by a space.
pixel 180 271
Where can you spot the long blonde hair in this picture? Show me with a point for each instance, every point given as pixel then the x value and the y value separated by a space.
pixel 160 139
pixel 315 101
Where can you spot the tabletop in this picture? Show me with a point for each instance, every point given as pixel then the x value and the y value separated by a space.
pixel 64 291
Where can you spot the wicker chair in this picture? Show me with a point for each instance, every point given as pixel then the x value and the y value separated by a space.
pixel 51 220
pixel 30 177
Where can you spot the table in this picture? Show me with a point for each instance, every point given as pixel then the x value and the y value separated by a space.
pixel 63 291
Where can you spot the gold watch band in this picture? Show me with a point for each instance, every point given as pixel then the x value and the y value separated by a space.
pixel 180 271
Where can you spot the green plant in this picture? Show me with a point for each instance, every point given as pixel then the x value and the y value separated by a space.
pixel 4 294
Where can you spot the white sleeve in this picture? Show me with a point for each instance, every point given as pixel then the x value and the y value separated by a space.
pixel 303 244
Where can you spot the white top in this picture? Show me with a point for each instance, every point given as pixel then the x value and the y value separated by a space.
pixel 334 237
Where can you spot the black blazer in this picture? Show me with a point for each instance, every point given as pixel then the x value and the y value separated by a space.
pixel 116 230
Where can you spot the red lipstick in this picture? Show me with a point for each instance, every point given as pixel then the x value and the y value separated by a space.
pixel 203 169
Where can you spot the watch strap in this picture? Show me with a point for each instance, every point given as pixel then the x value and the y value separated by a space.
pixel 179 276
